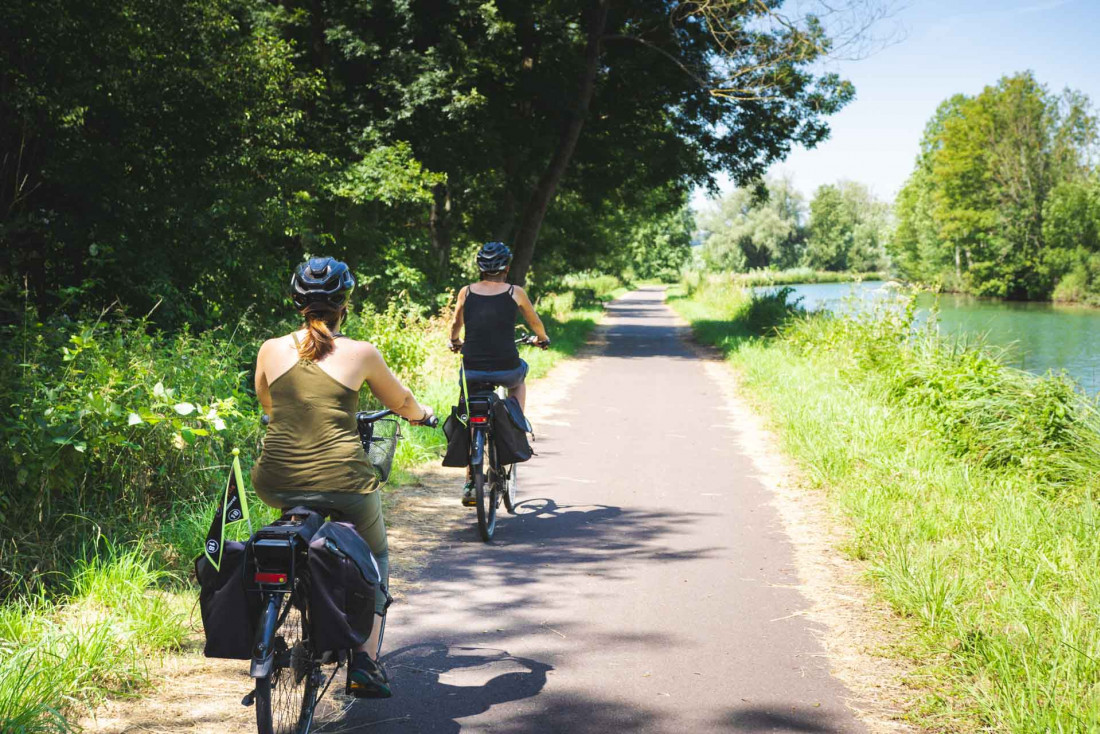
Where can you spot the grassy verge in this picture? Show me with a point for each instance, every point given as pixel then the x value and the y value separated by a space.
pixel 971 492
pixel 122 433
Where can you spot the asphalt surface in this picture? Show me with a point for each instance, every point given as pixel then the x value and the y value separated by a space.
pixel 646 584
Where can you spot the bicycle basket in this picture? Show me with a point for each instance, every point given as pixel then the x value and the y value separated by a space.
pixel 383 439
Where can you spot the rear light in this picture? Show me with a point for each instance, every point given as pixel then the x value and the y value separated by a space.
pixel 270 578
pixel 479 419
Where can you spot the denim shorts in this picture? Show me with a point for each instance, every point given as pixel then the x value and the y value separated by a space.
pixel 511 379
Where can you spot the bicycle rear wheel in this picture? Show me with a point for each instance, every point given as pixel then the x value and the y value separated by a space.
pixel 286 697
pixel 485 489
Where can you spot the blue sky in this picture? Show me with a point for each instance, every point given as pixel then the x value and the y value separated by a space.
pixel 947 47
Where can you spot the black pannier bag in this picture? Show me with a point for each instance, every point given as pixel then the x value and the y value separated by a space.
pixel 345 582
pixel 510 429
pixel 458 439
pixel 228 599
pixel 229 610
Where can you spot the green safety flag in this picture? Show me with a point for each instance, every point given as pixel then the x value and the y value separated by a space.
pixel 232 508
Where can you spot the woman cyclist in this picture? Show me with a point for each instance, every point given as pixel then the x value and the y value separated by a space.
pixel 488 311
pixel 308 382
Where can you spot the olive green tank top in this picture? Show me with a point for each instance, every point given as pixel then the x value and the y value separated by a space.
pixel 312 443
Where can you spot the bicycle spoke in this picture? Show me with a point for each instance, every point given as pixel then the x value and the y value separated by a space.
pixel 292 685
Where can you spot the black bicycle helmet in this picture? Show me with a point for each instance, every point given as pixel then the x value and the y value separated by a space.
pixel 493 257
pixel 323 280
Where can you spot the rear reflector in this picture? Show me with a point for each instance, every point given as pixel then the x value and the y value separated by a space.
pixel 479 419
pixel 270 578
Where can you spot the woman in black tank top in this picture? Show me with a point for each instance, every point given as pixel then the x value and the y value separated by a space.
pixel 490 325
pixel 487 309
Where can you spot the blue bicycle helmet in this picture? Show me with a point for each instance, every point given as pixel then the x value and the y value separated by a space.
pixel 323 280
pixel 493 257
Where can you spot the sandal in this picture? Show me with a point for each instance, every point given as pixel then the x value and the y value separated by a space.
pixel 367 678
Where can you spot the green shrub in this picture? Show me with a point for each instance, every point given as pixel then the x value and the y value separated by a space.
pixel 990 413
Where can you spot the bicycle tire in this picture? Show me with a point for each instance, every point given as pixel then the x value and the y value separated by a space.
pixel 287 696
pixel 486 502
pixel 511 485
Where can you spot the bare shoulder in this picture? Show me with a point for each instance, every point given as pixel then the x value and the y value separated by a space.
pixel 362 349
pixel 271 345
pixel 520 295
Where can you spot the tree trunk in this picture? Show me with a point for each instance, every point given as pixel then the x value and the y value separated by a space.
pixel 535 211
pixel 439 224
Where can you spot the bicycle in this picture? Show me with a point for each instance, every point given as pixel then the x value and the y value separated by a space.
pixel 290 674
pixel 493 483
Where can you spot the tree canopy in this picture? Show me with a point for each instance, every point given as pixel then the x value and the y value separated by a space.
pixel 844 228
pixel 1002 201
pixel 182 156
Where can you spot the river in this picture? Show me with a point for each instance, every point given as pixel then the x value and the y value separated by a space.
pixel 1039 336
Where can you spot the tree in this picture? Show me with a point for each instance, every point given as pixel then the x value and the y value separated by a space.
pixel 847 229
pixel 973 212
pixel 755 228
pixel 145 150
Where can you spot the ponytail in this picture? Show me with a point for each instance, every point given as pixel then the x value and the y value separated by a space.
pixel 319 340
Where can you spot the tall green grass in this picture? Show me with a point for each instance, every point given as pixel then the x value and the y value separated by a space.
pixel 93 640
pixel 970 488
pixel 793 276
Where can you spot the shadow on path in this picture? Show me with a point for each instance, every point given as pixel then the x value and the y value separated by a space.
pixel 436 684
pixel 760 719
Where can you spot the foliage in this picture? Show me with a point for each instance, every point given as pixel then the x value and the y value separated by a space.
pixel 1003 200
pixel 723 313
pixel 847 229
pixel 969 490
pixel 770 228
pixel 755 229
pixel 182 156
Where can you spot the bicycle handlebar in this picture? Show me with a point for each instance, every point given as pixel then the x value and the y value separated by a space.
pixel 532 340
pixel 366 417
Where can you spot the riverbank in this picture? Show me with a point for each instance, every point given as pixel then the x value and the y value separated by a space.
pixel 792 276
pixel 968 489
pixel 148 422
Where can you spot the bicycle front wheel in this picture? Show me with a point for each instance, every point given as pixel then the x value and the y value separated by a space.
pixel 287 696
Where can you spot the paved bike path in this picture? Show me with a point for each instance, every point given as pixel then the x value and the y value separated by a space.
pixel 645 586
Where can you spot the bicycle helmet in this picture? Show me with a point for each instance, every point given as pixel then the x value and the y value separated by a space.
pixel 323 280
pixel 493 257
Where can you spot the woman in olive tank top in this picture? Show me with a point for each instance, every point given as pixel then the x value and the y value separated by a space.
pixel 308 383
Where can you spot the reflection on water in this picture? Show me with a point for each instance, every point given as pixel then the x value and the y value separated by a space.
pixel 1038 336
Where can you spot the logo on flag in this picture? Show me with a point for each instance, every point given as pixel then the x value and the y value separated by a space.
pixel 232 508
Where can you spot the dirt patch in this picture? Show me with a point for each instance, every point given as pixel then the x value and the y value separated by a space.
pixel 193 694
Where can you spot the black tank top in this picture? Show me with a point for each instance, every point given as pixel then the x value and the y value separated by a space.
pixel 490 332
